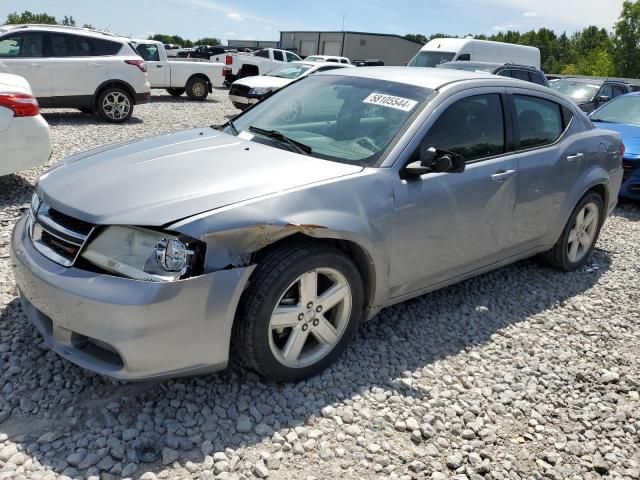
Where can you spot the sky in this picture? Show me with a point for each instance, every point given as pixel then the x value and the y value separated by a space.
pixel 263 20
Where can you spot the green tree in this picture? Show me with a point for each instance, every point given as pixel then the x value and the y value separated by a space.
pixel 69 21
pixel 207 41
pixel 28 17
pixel 416 37
pixel 627 40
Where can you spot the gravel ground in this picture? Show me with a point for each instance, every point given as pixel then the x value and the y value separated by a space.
pixel 521 373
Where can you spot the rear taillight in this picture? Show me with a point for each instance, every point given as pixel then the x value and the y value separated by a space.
pixel 22 104
pixel 138 63
pixel 622 150
pixel 228 60
pixel 226 71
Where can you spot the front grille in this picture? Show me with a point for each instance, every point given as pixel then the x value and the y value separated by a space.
pixel 56 235
pixel 627 169
pixel 241 90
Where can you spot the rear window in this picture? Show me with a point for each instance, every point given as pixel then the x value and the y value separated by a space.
pixel 63 45
pixel 149 52
pixel 102 47
pixel 540 121
pixel 277 55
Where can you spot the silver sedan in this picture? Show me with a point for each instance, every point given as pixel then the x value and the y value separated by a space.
pixel 273 236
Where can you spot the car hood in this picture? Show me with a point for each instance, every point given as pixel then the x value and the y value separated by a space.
pixel 630 135
pixel 159 180
pixel 264 81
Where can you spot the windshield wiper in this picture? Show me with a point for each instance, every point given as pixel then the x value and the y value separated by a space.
pixel 276 135
pixel 228 124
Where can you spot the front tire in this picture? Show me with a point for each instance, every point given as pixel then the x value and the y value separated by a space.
pixel 175 92
pixel 301 310
pixel 579 237
pixel 197 89
pixel 115 105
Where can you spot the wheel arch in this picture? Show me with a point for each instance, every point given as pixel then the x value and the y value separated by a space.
pixel 358 254
pixel 203 76
pixel 117 84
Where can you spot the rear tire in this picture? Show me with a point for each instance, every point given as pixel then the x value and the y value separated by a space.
pixel 197 88
pixel 302 308
pixel 115 105
pixel 175 92
pixel 579 237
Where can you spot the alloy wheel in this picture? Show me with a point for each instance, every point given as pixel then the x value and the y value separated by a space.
pixel 310 318
pixel 583 233
pixel 116 105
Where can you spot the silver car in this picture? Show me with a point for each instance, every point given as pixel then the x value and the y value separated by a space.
pixel 273 236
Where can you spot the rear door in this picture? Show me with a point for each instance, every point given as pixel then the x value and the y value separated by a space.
pixel 76 72
pixel 549 160
pixel 24 54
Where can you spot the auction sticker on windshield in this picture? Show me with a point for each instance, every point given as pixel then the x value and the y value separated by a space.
pixel 399 103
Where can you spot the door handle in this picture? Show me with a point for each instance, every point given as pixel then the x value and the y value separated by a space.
pixel 502 175
pixel 573 158
pixel 159 66
pixel 35 65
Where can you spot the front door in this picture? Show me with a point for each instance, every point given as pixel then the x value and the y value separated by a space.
pixel 23 54
pixel 158 72
pixel 450 224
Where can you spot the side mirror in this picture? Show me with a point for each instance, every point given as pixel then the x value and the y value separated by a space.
pixel 433 160
pixel 603 99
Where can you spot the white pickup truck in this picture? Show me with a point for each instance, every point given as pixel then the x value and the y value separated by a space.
pixel 240 65
pixel 178 77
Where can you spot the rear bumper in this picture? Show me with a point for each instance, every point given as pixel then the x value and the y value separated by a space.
pixel 123 328
pixel 141 98
pixel 25 144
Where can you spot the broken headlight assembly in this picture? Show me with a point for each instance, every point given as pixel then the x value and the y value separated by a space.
pixel 144 254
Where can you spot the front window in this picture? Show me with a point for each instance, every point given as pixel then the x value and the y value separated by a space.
pixel 340 118
pixel 22 45
pixel 289 71
pixel 472 127
pixel 431 59
pixel 622 110
pixel 148 52
pixel 579 91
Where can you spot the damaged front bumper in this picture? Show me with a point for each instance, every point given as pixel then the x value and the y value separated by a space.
pixel 128 329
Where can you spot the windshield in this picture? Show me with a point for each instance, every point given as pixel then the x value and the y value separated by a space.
pixel 580 91
pixel 471 67
pixel 431 59
pixel 289 71
pixel 625 109
pixel 340 118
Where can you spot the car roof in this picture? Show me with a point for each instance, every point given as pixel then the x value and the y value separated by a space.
pixel 598 81
pixel 492 64
pixel 432 78
pixel 65 28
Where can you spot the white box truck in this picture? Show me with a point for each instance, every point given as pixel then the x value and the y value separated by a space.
pixel 441 50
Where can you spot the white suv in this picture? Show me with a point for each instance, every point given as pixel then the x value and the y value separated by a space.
pixel 76 68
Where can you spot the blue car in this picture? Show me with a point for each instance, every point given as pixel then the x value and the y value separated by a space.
pixel 622 115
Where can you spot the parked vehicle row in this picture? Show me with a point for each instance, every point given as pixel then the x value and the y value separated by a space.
pixel 346 175
pixel 250 90
pixel 238 65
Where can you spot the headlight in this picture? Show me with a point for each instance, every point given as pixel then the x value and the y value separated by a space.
pixel 260 91
pixel 143 254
